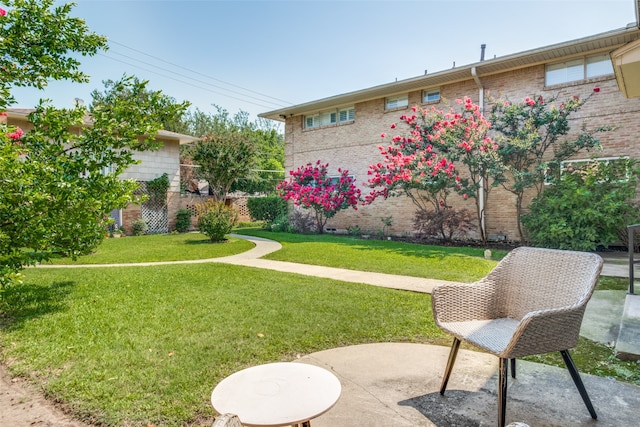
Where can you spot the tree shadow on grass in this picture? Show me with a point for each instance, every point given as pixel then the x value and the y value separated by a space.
pixel 24 302
pixel 204 241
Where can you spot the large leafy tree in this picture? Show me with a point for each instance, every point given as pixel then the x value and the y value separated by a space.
pixel 170 116
pixel 55 195
pixel 223 158
pixel 234 153
pixel 270 160
pixel 39 42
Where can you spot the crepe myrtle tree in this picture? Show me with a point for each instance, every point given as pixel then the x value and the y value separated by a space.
pixel 534 139
pixel 311 187
pixel 425 163
pixel 55 198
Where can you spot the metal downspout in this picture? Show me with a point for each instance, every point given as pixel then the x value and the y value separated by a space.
pixel 481 194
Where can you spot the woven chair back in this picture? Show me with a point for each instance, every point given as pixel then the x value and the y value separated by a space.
pixel 530 279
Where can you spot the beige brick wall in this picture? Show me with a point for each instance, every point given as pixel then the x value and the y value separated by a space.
pixel 155 163
pixel 354 146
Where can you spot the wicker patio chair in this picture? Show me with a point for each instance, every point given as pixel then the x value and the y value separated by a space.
pixel 532 302
pixel 227 420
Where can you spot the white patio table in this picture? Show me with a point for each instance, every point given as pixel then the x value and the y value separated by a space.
pixel 277 394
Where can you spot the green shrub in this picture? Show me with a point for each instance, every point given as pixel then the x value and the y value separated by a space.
pixel 354 231
pixel 280 224
pixel 266 208
pixel 215 220
pixel 183 220
pixel 585 208
pixel 139 227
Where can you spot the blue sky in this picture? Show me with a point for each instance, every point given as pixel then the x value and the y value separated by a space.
pixel 259 56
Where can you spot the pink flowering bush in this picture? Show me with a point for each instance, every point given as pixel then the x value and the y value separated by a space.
pixel 311 187
pixel 16 134
pixel 424 164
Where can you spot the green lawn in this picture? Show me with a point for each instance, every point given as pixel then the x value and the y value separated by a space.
pixel 158 247
pixel 146 345
pixel 458 264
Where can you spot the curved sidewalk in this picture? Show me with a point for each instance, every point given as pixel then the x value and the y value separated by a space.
pixel 253 258
pixel 264 246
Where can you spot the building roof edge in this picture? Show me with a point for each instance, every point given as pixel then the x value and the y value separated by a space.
pixel 607 42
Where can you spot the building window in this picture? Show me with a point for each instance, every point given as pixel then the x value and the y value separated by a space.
pixel 619 168
pixel 431 95
pixel 599 65
pixel 330 117
pixel 346 114
pixel 578 69
pixel 335 180
pixel 397 102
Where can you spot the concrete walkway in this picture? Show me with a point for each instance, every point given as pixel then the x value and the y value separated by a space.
pixel 396 384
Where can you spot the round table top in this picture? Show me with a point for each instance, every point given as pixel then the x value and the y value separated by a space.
pixel 277 394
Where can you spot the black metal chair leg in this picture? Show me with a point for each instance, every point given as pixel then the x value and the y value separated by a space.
pixel 513 368
pixel 502 391
pixel 452 359
pixel 578 381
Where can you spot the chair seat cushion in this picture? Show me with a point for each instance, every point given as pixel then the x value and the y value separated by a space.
pixel 492 335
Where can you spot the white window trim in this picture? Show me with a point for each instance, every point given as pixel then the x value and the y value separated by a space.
pixel 427 92
pixel 333 115
pixel 399 101
pixel 564 164
pixel 584 60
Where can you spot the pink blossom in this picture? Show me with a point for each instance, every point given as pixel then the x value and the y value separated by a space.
pixel 383 135
pixel 465 196
pixel 596 89
pixel 3 12
pixel 17 134
pixel 393 125
pixel 3 114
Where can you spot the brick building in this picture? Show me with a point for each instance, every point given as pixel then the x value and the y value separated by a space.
pixel 344 130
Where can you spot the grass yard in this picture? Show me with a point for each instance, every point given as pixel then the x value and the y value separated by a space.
pixel 146 345
pixel 158 247
pixel 434 262
pixel 129 346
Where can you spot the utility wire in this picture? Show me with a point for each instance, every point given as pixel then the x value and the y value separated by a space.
pixel 184 82
pixel 199 73
pixel 199 81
